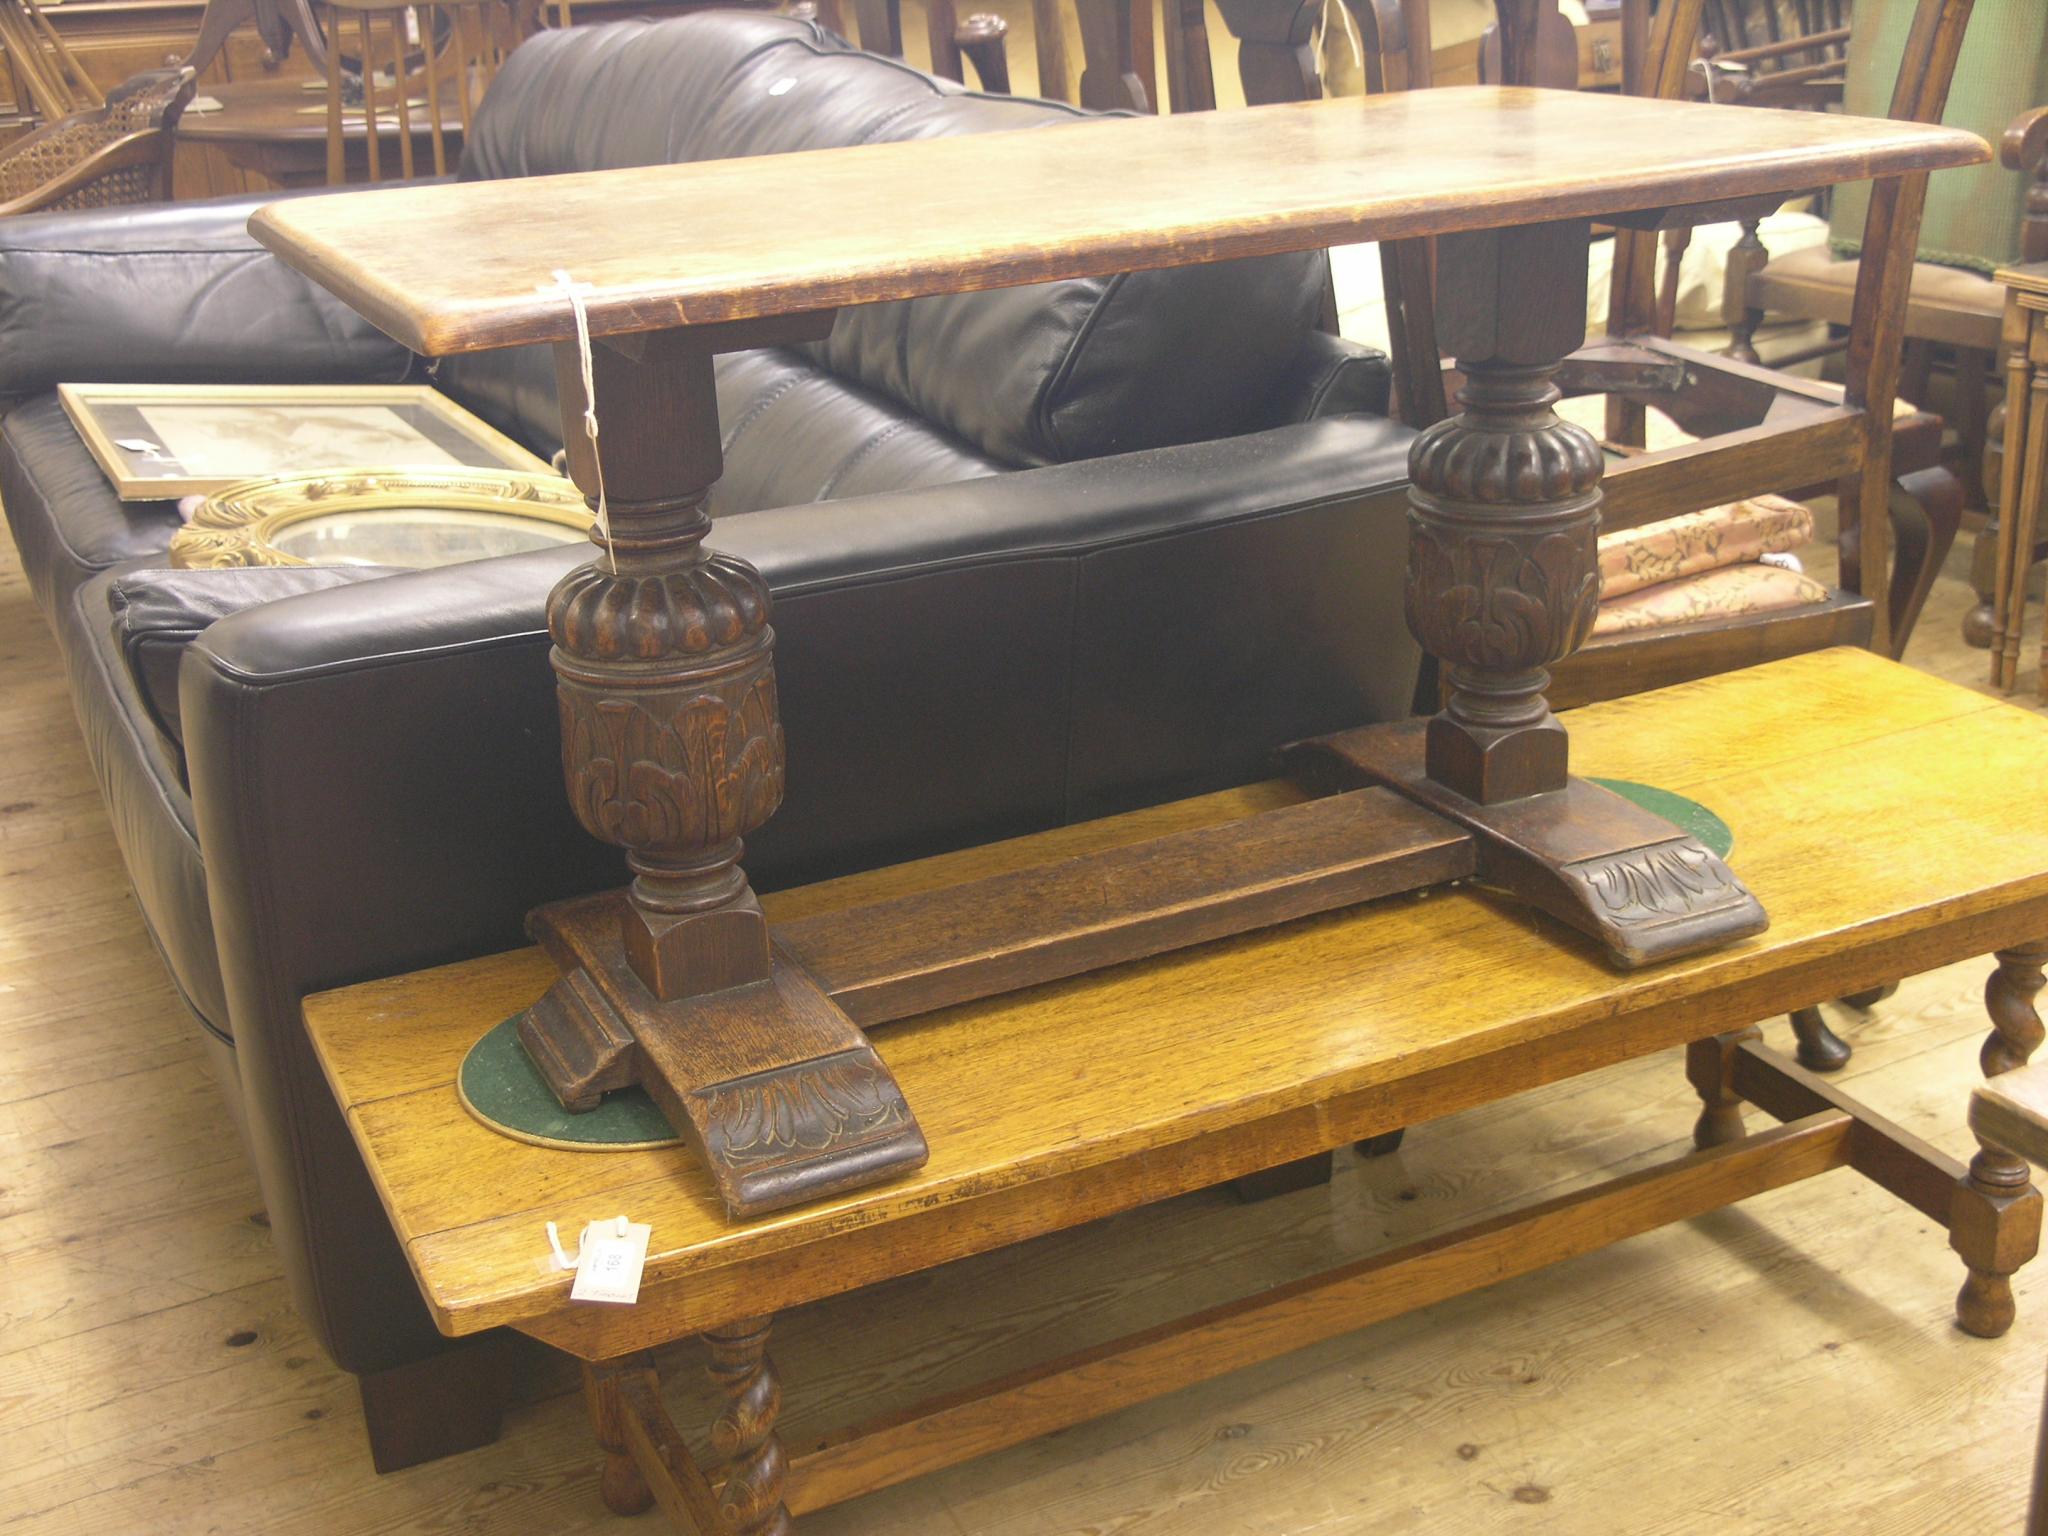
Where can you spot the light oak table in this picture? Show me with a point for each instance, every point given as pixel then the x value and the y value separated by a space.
pixel 1890 820
pixel 2024 489
pixel 752 1038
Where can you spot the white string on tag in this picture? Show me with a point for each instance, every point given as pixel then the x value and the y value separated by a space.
pixel 575 291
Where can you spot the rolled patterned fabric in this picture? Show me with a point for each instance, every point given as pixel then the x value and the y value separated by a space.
pixel 1736 534
pixel 1708 595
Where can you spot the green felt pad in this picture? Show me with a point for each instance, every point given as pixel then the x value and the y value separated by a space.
pixel 1686 815
pixel 502 1089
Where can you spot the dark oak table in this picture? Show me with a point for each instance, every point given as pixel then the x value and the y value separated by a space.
pixel 664 655
pixel 1180 1071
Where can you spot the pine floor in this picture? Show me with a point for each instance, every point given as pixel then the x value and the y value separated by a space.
pixel 1789 1366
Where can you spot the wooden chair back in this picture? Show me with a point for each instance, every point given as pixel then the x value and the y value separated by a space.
pixel 439 54
pixel 1773 53
pixel 980 37
pixel 116 154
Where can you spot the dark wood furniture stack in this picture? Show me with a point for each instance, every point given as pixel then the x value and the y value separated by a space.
pixel 117 153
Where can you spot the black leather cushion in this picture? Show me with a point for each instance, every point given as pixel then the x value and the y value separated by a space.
pixel 793 432
pixel 158 612
pixel 1043 374
pixel 169 294
pixel 67 522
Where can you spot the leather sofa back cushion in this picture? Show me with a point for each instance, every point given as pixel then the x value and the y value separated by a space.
pixel 157 613
pixel 174 293
pixel 1043 374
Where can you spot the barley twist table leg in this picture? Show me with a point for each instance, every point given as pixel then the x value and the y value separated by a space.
pixel 744 1434
pixel 1996 1220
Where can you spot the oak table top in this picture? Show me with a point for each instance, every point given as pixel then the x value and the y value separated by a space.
pixel 470 267
pixel 1889 821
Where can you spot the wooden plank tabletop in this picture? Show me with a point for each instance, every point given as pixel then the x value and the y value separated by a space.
pixel 1889 822
pixel 465 268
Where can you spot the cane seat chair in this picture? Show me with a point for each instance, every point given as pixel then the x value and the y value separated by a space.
pixel 116 154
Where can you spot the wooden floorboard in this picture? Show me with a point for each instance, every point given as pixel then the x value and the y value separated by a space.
pixel 1789 1366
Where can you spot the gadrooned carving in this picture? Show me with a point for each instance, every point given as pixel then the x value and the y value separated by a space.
pixel 714 604
pixel 1463 458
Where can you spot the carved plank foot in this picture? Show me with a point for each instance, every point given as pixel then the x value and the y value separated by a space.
pixel 779 1092
pixel 1615 872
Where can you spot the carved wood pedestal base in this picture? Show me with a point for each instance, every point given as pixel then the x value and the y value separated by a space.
pixel 1602 864
pixel 774 1086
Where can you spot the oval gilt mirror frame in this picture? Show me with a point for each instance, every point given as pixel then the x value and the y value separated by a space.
pixel 404 517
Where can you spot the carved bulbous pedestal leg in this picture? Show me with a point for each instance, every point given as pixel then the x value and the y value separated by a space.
pixel 744 1433
pixel 1996 1220
pixel 672 749
pixel 1503 582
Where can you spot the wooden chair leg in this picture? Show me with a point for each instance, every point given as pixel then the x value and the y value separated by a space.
pixel 1927 515
pixel 984 38
pixel 1820 1048
pixel 1745 260
pixel 1995 1224
pixel 450 1402
pixel 1981 621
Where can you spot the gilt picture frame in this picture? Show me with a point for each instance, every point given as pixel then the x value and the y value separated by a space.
pixel 160 441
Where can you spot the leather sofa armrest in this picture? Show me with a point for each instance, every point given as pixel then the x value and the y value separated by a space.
pixel 172 293
pixel 157 613
pixel 376 770
pixel 1329 376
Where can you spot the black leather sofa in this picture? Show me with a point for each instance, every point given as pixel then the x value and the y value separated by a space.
pixel 1037 555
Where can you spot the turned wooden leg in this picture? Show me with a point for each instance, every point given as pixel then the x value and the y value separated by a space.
pixel 1710 1068
pixel 744 1434
pixel 624 1490
pixel 1745 260
pixel 1996 1220
pixel 1820 1048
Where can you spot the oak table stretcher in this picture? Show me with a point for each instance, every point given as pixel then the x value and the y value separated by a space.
pixel 1053 1106
pixel 751 1039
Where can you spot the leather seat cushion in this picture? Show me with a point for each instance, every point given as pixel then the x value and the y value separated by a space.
pixel 1948 304
pixel 66 520
pixel 793 432
pixel 1041 374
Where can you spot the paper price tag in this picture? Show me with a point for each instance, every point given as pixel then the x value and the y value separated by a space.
pixel 608 1261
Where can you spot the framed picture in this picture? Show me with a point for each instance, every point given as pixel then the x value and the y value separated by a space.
pixel 157 441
